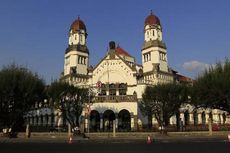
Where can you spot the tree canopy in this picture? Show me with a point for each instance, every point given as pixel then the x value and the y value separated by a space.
pixel 164 101
pixel 212 88
pixel 20 89
pixel 69 100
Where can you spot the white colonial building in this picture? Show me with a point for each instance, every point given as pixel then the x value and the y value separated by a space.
pixel 117 82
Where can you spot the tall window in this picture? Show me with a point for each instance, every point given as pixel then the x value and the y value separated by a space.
pixel 122 89
pixel 112 89
pixel 103 89
pixel 81 60
pixel 147 57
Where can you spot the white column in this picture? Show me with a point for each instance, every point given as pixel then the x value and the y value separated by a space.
pixel 182 117
pixel 60 121
pixel 86 123
pixel 132 122
pixel 221 119
pixel 116 123
pixel 117 92
pixel 191 119
pixel 172 120
pixel 101 121
pixel 199 118
pixel 206 117
pixel 215 118
pixel 154 121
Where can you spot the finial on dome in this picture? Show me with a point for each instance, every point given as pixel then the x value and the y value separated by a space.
pixel 78 17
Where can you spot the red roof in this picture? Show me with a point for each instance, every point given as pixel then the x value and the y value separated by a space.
pixel 183 78
pixel 121 51
pixel 77 25
pixel 152 20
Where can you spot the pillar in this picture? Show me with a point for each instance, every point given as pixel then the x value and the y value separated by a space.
pixel 132 121
pixel 221 119
pixel 116 121
pixel 82 126
pixel 69 130
pixel 135 122
pixel 191 119
pixel 101 121
pixel 199 118
pixel 210 126
pixel 182 117
pixel 172 120
pixel 206 117
pixel 27 130
pixel 86 125
pixel 216 118
pixel 154 121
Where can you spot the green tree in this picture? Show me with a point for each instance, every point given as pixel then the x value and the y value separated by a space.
pixel 69 100
pixel 164 100
pixel 20 89
pixel 212 88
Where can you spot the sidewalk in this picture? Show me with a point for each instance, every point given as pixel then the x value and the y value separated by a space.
pixel 122 137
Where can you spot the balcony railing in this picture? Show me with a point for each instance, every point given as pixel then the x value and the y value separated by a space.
pixel 111 98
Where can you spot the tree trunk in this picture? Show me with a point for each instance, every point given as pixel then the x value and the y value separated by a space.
pixel 150 124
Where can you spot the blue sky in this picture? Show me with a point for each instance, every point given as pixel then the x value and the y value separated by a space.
pixel 34 33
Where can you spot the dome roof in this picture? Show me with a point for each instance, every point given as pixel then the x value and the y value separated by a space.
pixel 152 20
pixel 78 25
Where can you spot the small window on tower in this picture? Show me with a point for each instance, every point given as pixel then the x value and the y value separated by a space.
pixel 153 32
pixel 80 38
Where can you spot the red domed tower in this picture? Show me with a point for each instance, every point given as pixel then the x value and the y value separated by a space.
pixel 154 54
pixel 77 53
pixel 152 28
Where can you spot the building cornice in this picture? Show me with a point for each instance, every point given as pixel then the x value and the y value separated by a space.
pixel 153 43
pixel 78 47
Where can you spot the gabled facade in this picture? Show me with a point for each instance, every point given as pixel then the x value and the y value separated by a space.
pixel 122 80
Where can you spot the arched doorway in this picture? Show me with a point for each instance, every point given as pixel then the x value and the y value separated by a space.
pixel 94 121
pixel 124 120
pixel 108 118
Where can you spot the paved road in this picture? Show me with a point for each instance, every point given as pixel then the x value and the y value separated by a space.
pixel 116 147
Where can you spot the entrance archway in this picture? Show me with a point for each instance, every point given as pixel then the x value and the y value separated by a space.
pixel 94 121
pixel 108 118
pixel 124 120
